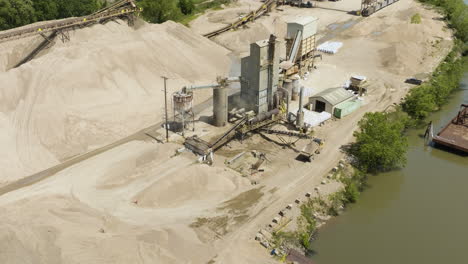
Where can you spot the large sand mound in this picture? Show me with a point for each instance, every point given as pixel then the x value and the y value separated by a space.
pixel 66 230
pixel 190 184
pixel 101 86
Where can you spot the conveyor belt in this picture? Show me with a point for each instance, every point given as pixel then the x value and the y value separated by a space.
pixel 228 135
pixel 250 17
pixel 286 133
pixel 119 9
pixel 43 45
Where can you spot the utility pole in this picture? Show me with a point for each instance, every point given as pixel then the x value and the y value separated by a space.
pixel 165 107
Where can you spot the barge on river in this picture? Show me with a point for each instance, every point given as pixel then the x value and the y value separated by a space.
pixel 455 134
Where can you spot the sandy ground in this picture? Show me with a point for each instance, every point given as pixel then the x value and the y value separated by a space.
pixel 140 202
pixel 101 86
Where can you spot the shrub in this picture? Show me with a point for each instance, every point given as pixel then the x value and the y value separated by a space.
pixel 416 19
pixel 424 99
pixel 186 6
pixel 380 144
pixel 419 102
pixel 456 13
pixel 158 11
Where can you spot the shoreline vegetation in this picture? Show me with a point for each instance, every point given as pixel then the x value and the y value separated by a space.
pixel 381 142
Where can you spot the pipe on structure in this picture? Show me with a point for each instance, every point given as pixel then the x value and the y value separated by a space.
pixel 264 116
pixel 220 107
pixel 271 58
pixel 300 112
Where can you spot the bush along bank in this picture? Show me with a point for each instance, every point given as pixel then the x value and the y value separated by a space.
pixel 318 208
pixel 381 143
pixel 430 96
pixel 427 98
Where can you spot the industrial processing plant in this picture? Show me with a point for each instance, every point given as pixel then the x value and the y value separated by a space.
pixel 126 139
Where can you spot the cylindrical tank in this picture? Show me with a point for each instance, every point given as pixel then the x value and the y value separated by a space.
pixel 295 87
pixel 264 116
pixel 288 86
pixel 220 107
pixel 182 102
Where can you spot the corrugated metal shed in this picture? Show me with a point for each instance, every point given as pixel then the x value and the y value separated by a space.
pixel 345 108
pixel 334 96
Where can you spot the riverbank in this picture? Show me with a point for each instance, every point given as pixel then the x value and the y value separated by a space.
pixel 419 102
pixel 412 215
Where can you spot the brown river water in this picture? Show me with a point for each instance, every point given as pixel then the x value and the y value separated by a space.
pixel 416 215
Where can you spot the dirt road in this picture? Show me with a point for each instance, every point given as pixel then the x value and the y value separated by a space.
pixel 163 207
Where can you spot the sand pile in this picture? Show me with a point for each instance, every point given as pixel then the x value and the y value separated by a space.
pixel 409 53
pixel 101 86
pixel 239 41
pixel 190 184
pixel 408 46
pixel 66 230
pixel 215 19
pixel 76 220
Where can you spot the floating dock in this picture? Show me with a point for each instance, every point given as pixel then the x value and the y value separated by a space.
pixel 455 134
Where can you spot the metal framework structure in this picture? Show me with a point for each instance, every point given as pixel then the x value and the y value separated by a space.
pixel 182 104
pixel 51 30
pixel 367 3
pixel 462 117
pixel 454 134
pixel 368 7
pixel 265 8
pixel 122 8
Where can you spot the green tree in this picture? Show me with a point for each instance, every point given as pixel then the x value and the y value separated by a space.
pixel 46 9
pixel 456 12
pixel 158 11
pixel 186 6
pixel 16 13
pixel 77 8
pixel 380 144
pixel 419 102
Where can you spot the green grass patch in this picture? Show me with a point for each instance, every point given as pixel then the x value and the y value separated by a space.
pixel 416 19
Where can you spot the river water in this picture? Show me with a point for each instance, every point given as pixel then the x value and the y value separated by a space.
pixel 417 215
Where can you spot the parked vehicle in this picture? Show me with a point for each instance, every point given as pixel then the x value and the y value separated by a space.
pixel 414 81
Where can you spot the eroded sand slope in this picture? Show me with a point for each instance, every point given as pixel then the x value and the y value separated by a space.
pixel 101 86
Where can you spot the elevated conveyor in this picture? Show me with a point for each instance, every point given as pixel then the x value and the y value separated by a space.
pixel 265 8
pixel 120 8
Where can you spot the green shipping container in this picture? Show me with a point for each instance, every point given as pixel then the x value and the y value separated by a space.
pixel 345 108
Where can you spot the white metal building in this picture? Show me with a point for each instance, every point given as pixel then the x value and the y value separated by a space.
pixel 328 99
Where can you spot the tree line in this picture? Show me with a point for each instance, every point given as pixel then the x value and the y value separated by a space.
pixel 16 13
pixel 158 11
